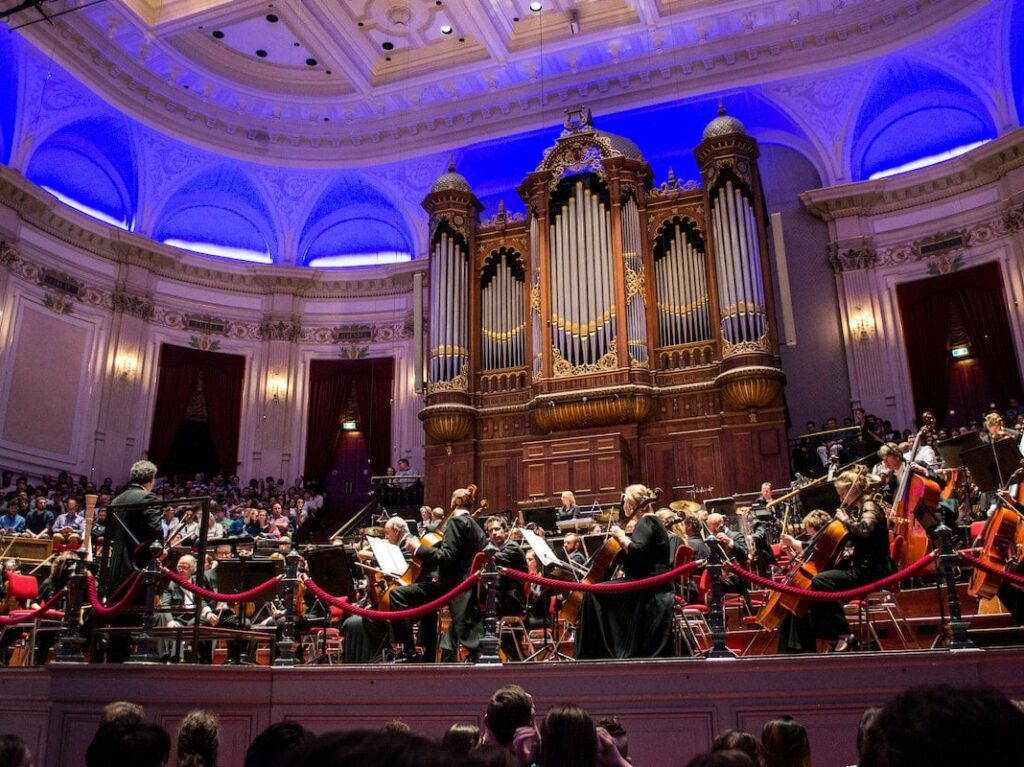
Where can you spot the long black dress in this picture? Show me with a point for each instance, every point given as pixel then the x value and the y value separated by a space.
pixel 633 624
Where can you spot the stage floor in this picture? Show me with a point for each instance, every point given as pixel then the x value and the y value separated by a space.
pixel 671 709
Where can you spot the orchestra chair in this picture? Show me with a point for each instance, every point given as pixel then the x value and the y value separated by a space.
pixel 513 628
pixel 25 589
pixel 883 603
pixel 690 619
pixel 977 528
pixel 323 641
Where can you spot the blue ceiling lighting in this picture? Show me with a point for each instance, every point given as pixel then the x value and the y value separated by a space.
pixel 1016 56
pixel 8 92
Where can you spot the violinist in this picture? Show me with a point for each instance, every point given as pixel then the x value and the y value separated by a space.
pixel 633 624
pixel 995 430
pixel 865 525
pixel 572 545
pixel 444 567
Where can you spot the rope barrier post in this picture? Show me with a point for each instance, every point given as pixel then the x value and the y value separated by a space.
pixel 489 643
pixel 716 617
pixel 948 565
pixel 286 644
pixel 71 640
pixel 145 642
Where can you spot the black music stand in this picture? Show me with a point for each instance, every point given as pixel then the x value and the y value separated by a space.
pixel 243 574
pixel 991 465
pixel 724 506
pixel 543 517
pixel 330 570
pixel 821 496
pixel 951 449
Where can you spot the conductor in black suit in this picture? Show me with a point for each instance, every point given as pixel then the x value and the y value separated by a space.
pixel 139 526
pixel 448 563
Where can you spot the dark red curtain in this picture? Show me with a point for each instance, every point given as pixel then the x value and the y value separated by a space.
pixel 331 385
pixel 223 375
pixel 979 298
pixel 925 306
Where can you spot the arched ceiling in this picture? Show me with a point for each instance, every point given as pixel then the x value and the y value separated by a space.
pixel 346 82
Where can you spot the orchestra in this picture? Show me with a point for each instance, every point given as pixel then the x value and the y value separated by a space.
pixel 899 492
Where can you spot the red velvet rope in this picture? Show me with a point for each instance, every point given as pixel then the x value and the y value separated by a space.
pixel 833 596
pixel 991 569
pixel 618 587
pixel 392 615
pixel 10 620
pixel 216 596
pixel 105 611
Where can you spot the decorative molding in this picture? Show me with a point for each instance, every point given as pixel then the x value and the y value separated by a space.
pixel 280 330
pixel 136 306
pixel 59 303
pixel 851 259
pixel 8 254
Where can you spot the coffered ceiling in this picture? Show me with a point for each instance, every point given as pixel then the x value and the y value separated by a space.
pixel 307 82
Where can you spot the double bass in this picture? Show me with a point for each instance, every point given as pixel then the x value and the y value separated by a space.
pixel 603 563
pixel 916 499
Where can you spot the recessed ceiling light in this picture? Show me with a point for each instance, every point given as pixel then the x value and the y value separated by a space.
pixel 310 62
pixel 218 34
pixel 446 29
pixel 515 18
pixel 387 45
pixel 272 18
pixel 536 6
pixel 261 53
pixel 462 39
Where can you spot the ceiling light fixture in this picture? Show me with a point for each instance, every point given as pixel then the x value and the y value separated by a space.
pixel 446 29
pixel 536 6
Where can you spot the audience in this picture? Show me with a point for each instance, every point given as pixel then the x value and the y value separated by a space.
pixel 198 736
pixel 14 752
pixel 128 744
pixel 785 743
pixel 278 745
pixel 738 740
pixel 461 738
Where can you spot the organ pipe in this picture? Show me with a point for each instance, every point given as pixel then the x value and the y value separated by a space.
pixel 681 289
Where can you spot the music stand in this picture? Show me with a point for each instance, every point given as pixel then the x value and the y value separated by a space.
pixel 724 506
pixel 951 449
pixel 991 465
pixel 331 570
pixel 821 496
pixel 243 574
pixel 543 517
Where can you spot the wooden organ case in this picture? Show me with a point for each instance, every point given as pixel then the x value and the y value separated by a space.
pixel 618 332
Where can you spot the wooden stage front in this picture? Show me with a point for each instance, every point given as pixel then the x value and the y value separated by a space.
pixel 671 709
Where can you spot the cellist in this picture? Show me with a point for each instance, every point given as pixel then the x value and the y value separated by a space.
pixel 868 561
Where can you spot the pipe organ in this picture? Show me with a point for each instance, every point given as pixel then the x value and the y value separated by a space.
pixel 618 331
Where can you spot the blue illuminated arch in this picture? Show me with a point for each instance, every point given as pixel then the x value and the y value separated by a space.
pixel 354 217
pixel 1016 56
pixel 912 111
pixel 8 95
pixel 91 162
pixel 223 207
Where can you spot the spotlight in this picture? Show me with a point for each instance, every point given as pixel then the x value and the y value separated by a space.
pixel 535 6
pixel 446 29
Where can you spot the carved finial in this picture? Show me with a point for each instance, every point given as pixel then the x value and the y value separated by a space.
pixel 721 108
pixel 451 164
pixel 501 206
pixel 671 175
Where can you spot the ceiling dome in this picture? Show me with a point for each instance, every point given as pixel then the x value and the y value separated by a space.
pixel 622 145
pixel 723 124
pixel 451 181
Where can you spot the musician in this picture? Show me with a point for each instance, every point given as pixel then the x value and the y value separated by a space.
pixel 1010 594
pixel 568 509
pixel 894 461
pixel 133 530
pixel 511 600
pixel 812 523
pixel 444 567
pixel 995 430
pixel 425 524
pixel 869 561
pixel 634 624
pixel 179 598
pixel 734 547
pixel 537 597
pixel 572 544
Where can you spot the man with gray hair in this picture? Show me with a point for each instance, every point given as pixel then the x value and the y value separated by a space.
pixel 137 525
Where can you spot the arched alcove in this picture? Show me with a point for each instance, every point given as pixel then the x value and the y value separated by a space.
pixel 220 212
pixel 910 112
pixel 354 223
pixel 91 164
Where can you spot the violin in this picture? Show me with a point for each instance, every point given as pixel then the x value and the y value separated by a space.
pixel 604 561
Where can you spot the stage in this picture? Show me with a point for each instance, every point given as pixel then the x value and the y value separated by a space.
pixel 671 709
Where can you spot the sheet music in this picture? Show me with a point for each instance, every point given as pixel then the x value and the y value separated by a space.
pixel 389 557
pixel 540 547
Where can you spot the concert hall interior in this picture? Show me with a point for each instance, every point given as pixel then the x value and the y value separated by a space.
pixel 610 290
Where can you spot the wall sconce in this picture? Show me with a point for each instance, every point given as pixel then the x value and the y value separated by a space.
pixel 862 323
pixel 125 366
pixel 277 388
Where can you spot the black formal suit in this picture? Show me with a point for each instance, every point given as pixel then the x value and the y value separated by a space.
pixel 144 524
pixel 511 598
pixel 738 552
pixel 445 565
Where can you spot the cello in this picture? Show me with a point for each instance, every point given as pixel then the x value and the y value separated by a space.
pixel 429 540
pixel 1001 541
pixel 604 561
pixel 916 499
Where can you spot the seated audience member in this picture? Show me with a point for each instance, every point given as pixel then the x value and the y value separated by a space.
pixel 944 726
pixel 139 744
pixel 568 738
pixel 122 711
pixel 785 743
pixel 198 738
pixel 366 748
pixel 12 523
pixel 614 728
pixel 40 519
pixel 491 755
pixel 738 740
pixel 724 758
pixel 69 526
pixel 278 745
pixel 461 738
pixel 14 752
pixel 509 708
